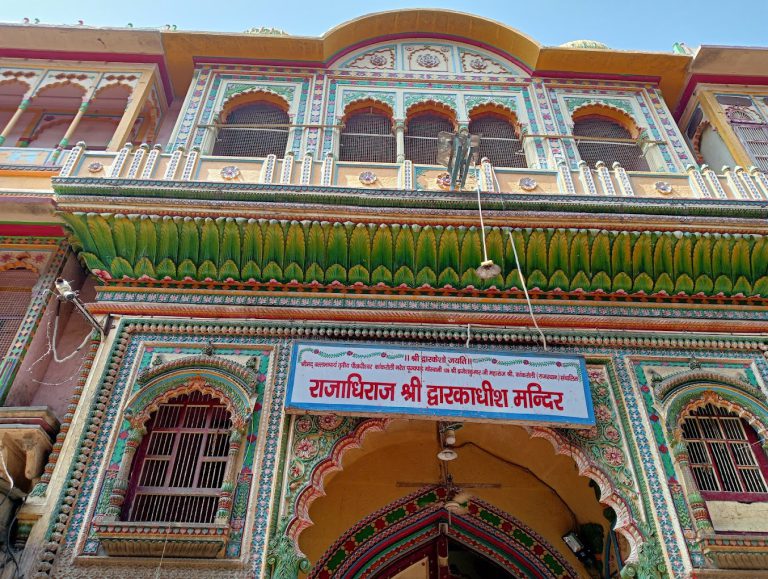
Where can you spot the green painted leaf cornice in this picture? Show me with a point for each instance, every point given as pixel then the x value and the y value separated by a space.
pixel 324 253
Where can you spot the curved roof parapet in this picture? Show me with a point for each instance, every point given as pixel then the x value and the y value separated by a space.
pixel 431 23
pixel 585 44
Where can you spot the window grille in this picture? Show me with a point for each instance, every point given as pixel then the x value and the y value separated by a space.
pixel 421 137
pixel 367 137
pixel 629 155
pixel 181 462
pixel 720 448
pixel 15 294
pixel 498 141
pixel 754 137
pixel 267 135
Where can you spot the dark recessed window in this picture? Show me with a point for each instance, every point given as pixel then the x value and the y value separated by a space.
pixel 180 465
pixel 257 130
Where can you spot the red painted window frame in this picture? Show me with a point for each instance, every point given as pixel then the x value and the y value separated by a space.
pixel 760 458
pixel 187 401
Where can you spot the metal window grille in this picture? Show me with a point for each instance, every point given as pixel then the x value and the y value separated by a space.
pixel 421 137
pixel 629 155
pixel 15 294
pixel 180 464
pixel 256 141
pixel 498 141
pixel 754 137
pixel 367 137
pixel 721 453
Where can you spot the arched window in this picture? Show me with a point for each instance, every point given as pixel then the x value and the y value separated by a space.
pixel 724 452
pixel 367 137
pixel 600 144
pixel 15 294
pixel 258 129
pixel 421 136
pixel 179 468
pixel 498 140
pixel 751 130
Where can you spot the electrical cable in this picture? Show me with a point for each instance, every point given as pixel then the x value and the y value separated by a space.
pixel 519 269
pixel 53 341
pixel 6 544
pixel 574 520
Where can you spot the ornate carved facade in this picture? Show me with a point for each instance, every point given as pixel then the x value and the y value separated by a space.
pixel 212 203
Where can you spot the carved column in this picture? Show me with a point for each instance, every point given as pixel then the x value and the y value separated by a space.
pixel 228 486
pixel 120 487
pixel 679 451
pixel 16 116
pixel 400 140
pixel 75 122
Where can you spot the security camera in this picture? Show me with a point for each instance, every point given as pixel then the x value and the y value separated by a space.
pixel 65 290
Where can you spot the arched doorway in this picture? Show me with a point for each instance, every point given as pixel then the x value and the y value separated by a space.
pixel 421 537
pixel 522 478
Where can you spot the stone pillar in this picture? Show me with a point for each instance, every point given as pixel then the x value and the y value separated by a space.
pixel 120 487
pixel 400 140
pixel 696 502
pixel 73 125
pixel 16 116
pixel 228 485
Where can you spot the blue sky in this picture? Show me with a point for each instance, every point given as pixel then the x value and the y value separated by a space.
pixel 648 25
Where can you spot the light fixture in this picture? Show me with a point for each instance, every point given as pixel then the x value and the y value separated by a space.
pixel 453 506
pixel 487 269
pixel 447 454
pixel 450 436
pixel 582 552
pixel 67 294
pixel 457 151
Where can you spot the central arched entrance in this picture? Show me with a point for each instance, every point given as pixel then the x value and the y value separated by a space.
pixel 522 497
pixel 421 537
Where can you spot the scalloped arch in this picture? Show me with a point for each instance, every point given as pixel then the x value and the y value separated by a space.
pixel 316 487
pixel 371 100
pixel 429 105
pixel 223 379
pixel 491 107
pixel 609 495
pixel 668 386
pixel 605 110
pixel 15 80
pixel 113 85
pixel 740 403
pixel 249 96
pixel 60 84
pixel 626 524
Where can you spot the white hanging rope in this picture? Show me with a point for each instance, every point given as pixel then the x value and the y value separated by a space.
pixel 53 342
pixel 525 290
pixel 480 211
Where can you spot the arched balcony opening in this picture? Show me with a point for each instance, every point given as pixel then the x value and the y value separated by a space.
pixel 421 133
pixel 256 128
pixel 609 138
pixel 11 94
pixel 500 139
pixel 367 135
pixel 49 115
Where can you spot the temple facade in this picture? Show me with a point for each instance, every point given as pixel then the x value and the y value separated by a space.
pixel 419 298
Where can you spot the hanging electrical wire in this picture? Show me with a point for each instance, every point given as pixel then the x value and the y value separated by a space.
pixel 488 269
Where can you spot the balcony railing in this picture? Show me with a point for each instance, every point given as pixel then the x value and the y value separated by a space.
pixel 151 164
